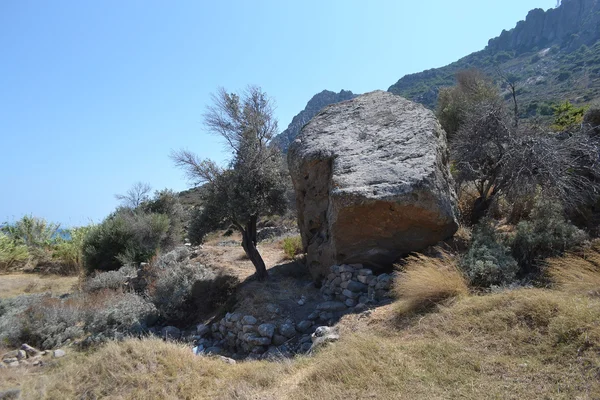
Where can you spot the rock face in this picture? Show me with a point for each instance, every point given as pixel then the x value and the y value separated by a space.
pixel 574 23
pixel 314 105
pixel 372 182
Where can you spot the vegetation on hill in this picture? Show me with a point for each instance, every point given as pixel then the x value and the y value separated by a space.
pixel 547 73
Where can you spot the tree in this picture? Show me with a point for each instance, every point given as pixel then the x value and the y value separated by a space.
pixel 472 87
pixel 253 183
pixel 523 161
pixel 135 196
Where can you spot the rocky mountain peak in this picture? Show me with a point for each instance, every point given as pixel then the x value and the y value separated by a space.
pixel 573 23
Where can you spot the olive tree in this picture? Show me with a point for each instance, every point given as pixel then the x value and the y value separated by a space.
pixel 252 184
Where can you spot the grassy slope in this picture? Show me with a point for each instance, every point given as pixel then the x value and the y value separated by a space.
pixel 546 76
pixel 528 343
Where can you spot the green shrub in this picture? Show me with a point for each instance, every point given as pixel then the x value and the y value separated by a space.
pixel 292 246
pixel 488 261
pixel 125 237
pixel 68 253
pixel 547 233
pixel 32 231
pixel 11 254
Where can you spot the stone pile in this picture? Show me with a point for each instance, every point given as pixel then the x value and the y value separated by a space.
pixel 353 285
pixel 245 334
pixel 28 356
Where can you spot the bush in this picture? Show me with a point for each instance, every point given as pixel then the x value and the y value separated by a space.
pixel 547 233
pixel 68 253
pixel 49 322
pixel 113 280
pixel 11 254
pixel 125 237
pixel 488 261
pixel 171 289
pixel 426 281
pixel 292 246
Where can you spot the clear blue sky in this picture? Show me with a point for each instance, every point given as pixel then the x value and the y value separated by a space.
pixel 95 94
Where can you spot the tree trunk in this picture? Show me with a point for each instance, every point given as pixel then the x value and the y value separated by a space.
pixel 249 245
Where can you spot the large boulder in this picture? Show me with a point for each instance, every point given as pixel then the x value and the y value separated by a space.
pixel 372 182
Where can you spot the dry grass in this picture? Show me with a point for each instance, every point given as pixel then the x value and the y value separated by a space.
pixel 15 284
pixel 426 281
pixel 576 273
pixel 527 343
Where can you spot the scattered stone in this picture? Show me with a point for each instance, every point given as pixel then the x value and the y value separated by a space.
pixel 170 332
pixel 31 351
pixel 214 350
pixel 266 330
pixel 331 306
pixel 350 303
pixel 10 354
pixel 272 308
pixel 58 353
pixel 249 320
pixel 287 330
pixel 301 302
pixel 202 329
pixel 324 335
pixel 305 347
pixel 9 360
pixel 10 394
pixel 249 328
pixel 13 364
pixel 304 326
pixel 21 355
pixel 278 340
pixel 306 339
pixel 256 340
pixel 227 360
pixel 360 307
pixel 355 286
pixel 313 316
pixel 326 316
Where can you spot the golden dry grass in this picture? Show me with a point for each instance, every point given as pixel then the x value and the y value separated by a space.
pixel 15 284
pixel 522 344
pixel 426 281
pixel 577 273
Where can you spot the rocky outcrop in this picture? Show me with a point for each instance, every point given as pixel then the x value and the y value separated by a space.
pixel 372 182
pixel 316 104
pixel 574 23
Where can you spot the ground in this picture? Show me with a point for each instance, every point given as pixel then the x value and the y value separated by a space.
pixel 18 283
pixel 512 344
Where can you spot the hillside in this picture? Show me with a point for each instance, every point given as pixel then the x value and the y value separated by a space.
pixel 554 54
pixel 314 105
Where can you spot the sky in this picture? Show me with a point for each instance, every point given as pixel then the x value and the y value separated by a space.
pixel 94 95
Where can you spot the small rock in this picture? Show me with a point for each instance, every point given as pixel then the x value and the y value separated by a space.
pixel 31 351
pixel 249 328
pixel 227 360
pixel 326 316
pixel 278 340
pixel 313 316
pixel 9 360
pixel 360 307
pixel 21 355
pixel 331 306
pixel 350 303
pixel 10 394
pixel 301 302
pixel 357 287
pixel 235 317
pixel 305 347
pixel 350 294
pixel 272 308
pixel 257 340
pixel 170 332
pixel 304 326
pixel 266 330
pixel 287 330
pixel 306 339
pixel 324 335
pixel 249 320
pixel 202 329
pixel 58 353
pixel 214 350
pixel 10 354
